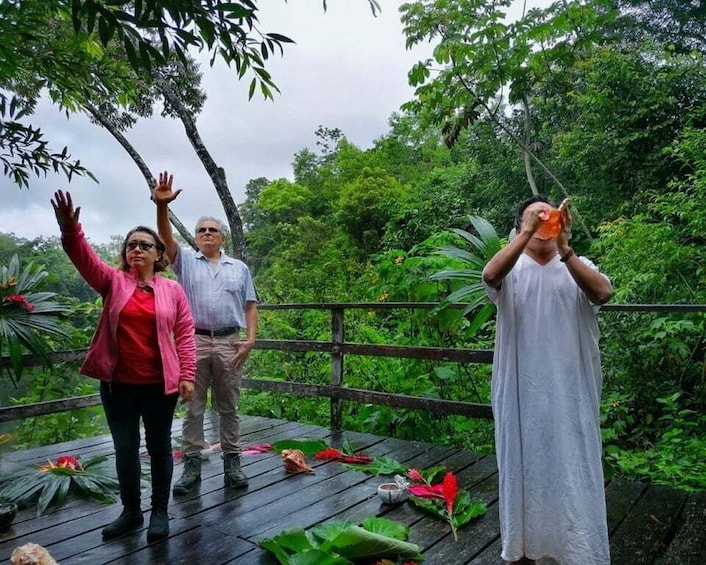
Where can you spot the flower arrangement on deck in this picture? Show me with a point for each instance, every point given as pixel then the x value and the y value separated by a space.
pixel 50 483
pixel 442 499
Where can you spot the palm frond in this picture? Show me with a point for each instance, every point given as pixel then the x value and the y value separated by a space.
pixel 48 485
pixel 466 268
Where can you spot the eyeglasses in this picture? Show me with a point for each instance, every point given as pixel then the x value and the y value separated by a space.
pixel 209 230
pixel 143 245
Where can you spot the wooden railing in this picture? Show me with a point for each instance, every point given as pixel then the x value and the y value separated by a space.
pixel 337 348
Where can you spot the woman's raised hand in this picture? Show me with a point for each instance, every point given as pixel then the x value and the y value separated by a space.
pixel 66 216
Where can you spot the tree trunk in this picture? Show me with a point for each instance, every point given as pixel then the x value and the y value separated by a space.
pixel 525 155
pixel 217 174
pixel 144 169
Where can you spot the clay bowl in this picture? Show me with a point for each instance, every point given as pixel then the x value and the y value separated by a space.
pixel 391 493
pixel 8 511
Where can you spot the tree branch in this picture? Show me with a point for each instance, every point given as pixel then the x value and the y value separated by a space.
pixel 144 169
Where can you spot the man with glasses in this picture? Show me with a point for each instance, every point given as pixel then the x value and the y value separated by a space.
pixel 223 303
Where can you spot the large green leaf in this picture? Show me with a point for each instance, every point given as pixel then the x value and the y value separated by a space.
pixel 307 446
pixel 356 542
pixel 385 527
pixel 379 466
pixel 317 557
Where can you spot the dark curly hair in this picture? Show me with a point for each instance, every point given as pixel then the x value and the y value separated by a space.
pixel 162 261
pixel 526 203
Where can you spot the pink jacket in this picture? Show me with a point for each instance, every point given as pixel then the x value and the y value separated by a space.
pixel 175 326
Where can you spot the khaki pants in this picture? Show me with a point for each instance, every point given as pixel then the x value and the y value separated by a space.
pixel 213 368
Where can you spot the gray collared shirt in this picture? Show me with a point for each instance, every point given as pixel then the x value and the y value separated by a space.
pixel 217 293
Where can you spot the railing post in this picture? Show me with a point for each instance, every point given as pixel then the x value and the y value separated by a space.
pixel 337 334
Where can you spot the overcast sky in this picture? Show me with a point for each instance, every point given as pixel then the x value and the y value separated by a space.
pixel 347 70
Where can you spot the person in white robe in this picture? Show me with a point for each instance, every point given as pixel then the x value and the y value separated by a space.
pixel 546 389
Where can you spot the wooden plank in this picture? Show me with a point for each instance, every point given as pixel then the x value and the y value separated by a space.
pixel 292 502
pixel 688 547
pixel 490 556
pixel 218 525
pixel 621 496
pixel 68 539
pixel 213 547
pixel 643 534
pixel 361 487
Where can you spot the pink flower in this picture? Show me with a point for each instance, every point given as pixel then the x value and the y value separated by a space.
pixel 427 491
pixel 415 475
pixel 257 449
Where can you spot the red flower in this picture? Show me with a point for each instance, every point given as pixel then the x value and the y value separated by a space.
pixel 449 489
pixel 68 462
pixel 415 475
pixel 62 462
pixel 21 300
pixel 338 455
pixel 329 453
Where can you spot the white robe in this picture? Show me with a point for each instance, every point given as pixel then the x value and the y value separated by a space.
pixel 546 391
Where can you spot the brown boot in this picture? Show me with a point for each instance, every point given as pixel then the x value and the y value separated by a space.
pixel 190 477
pixel 233 475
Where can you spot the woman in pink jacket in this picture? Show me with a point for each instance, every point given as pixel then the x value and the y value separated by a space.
pixel 144 354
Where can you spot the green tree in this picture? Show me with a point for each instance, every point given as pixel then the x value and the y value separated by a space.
pixel 63 46
pixel 366 205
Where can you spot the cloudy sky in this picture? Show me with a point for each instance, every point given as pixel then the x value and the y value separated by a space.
pixel 348 70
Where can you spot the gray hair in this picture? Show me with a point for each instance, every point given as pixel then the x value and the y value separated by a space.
pixel 221 226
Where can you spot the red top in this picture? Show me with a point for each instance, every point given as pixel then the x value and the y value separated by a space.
pixel 139 359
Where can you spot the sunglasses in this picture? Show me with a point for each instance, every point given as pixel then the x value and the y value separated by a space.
pixel 143 245
pixel 209 230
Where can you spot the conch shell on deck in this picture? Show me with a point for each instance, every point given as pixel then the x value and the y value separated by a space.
pixel 294 461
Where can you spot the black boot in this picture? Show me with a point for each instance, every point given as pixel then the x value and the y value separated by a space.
pixel 129 520
pixel 233 475
pixel 190 477
pixel 159 525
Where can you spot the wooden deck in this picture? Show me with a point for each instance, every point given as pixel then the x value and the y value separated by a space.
pixel 648 525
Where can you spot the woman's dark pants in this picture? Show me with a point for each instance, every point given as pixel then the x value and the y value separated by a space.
pixel 124 405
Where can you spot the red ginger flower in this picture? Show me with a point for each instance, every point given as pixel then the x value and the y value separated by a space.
pixel 415 475
pixel 329 453
pixel 332 453
pixel 21 300
pixel 449 489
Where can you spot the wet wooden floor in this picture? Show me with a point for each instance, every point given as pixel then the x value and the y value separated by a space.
pixel 648 524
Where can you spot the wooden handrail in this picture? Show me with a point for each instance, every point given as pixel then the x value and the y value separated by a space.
pixel 337 348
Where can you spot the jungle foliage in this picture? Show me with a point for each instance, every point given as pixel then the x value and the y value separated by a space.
pixel 575 99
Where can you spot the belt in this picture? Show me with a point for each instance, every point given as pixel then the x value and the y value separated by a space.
pixel 221 332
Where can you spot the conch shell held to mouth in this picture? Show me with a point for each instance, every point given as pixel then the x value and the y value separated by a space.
pixel 552 221
pixel 294 461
